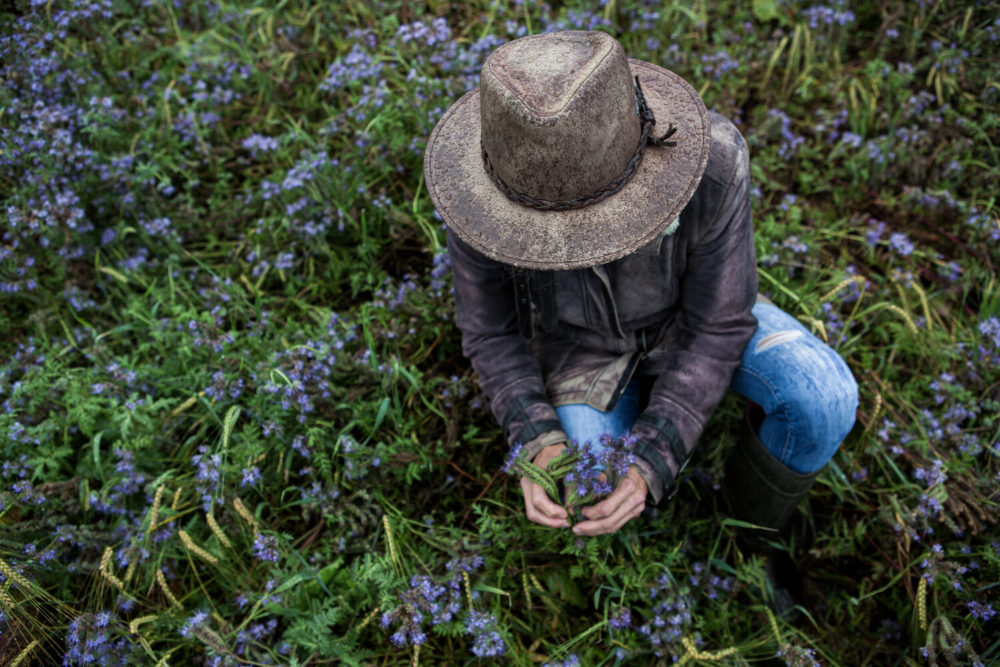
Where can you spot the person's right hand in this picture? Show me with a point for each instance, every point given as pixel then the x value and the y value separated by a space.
pixel 537 504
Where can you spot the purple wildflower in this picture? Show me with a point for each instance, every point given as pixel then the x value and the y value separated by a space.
pixel 616 455
pixel 487 642
pixel 510 463
pixel 250 476
pixel 851 140
pixel 265 547
pixel 197 620
pixel 899 242
pixel 834 15
pixel 875 230
pixel 571 661
pixel 717 64
pixel 95 639
pixel 790 141
pixel 937 474
pixel 990 328
pixel 258 143
pixel 407 619
pixel 621 619
pixel 981 611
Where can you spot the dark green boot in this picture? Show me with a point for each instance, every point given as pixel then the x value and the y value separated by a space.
pixel 763 491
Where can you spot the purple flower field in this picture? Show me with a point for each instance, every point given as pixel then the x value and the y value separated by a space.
pixel 237 426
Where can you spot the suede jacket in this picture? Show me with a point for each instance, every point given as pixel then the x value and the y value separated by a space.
pixel 675 313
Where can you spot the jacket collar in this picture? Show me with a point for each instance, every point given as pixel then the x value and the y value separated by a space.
pixel 654 246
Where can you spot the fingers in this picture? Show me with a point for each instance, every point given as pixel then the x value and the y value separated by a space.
pixel 540 509
pixel 610 524
pixel 549 453
pixel 626 503
pixel 607 507
pixel 623 505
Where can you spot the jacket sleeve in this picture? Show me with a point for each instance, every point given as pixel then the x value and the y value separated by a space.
pixel 508 371
pixel 713 325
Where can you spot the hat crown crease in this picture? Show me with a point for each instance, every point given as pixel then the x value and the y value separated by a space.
pixel 558 113
pixel 538 76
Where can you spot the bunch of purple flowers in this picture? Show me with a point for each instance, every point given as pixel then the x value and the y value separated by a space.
pixel 434 602
pixel 582 473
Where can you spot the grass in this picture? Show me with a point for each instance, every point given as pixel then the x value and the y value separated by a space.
pixel 239 427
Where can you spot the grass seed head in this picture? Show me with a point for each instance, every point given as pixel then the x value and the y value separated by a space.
pixel 922 603
pixel 6 601
pixel 217 530
pixel 175 503
pixel 161 579
pixel 242 510
pixel 13 575
pixel 25 652
pixel 195 549
pixel 133 626
pixel 107 570
pixel 154 513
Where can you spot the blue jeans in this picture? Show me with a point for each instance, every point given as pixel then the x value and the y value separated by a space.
pixel 807 392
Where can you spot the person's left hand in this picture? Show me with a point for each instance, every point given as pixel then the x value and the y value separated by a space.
pixel 626 503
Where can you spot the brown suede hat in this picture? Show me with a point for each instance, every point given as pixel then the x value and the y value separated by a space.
pixel 546 164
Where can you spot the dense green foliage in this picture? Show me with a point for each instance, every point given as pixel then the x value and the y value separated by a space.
pixel 237 424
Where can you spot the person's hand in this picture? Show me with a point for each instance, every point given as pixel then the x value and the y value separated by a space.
pixel 626 503
pixel 537 504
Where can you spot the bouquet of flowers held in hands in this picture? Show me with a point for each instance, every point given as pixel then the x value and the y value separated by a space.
pixel 582 474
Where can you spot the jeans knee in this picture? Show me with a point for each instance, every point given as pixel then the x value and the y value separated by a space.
pixel 826 415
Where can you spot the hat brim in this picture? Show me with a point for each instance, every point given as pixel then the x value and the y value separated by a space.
pixel 475 209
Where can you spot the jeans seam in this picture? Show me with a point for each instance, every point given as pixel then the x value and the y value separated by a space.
pixel 777 397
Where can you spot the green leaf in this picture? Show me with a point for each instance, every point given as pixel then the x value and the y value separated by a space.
pixel 96 451
pixel 382 408
pixel 292 581
pixel 765 10
pixel 540 477
pixel 736 523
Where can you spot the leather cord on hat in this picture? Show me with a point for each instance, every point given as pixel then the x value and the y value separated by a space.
pixel 647 121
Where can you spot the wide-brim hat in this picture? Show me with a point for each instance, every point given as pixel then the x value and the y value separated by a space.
pixel 556 119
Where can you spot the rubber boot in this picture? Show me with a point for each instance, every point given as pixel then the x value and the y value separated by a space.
pixel 763 491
